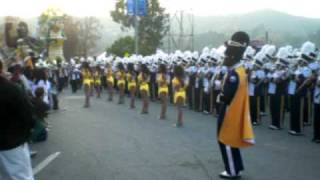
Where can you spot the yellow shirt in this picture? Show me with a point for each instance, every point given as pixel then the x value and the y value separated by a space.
pixel 131 81
pixel 87 76
pixel 121 78
pixel 144 86
pixel 162 84
pixel 97 78
pixel 109 76
pixel 179 90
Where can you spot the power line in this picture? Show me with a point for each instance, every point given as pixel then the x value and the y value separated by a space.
pixel 181 31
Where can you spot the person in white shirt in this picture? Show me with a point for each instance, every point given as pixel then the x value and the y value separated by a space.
pixel 41 80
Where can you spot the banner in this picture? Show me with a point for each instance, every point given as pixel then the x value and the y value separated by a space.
pixel 131 7
pixel 142 7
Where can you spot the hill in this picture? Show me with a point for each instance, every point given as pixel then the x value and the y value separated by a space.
pixel 282 28
pixel 211 31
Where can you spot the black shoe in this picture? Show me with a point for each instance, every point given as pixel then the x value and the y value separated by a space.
pixel 225 175
pixel 306 124
pixel 316 140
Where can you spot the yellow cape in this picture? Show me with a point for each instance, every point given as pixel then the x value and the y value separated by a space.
pixel 236 129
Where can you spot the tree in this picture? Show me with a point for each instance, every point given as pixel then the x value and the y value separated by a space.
pixel 122 46
pixel 152 27
pixel 71 31
pixel 315 37
pixel 89 33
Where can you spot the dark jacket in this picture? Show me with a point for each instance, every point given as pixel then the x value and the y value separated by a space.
pixel 40 108
pixel 16 119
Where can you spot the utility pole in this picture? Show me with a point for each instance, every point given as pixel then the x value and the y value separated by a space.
pixel 192 32
pixel 169 37
pixel 136 24
pixel 180 37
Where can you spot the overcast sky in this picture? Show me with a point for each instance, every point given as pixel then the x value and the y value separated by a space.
pixel 30 8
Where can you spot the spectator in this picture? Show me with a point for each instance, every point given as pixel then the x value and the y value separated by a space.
pixel 41 80
pixel 15 126
pixel 41 112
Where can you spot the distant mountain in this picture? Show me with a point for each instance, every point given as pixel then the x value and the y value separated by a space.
pixel 212 31
pixel 271 20
pixel 282 28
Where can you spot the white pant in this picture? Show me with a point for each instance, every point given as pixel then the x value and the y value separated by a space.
pixel 15 164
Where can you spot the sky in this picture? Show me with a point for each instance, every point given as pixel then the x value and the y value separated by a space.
pixel 33 8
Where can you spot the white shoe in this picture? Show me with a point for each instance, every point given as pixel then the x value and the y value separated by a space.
pixel 225 175
pixel 273 127
pixel 294 133
pixel 205 112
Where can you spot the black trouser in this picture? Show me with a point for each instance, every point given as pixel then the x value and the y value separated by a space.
pixel 61 84
pixel 171 93
pixel 189 96
pixel 231 156
pixel 65 82
pixel 206 101
pixel 197 99
pixel 104 82
pixel 156 91
pixel 316 121
pixel 262 103
pixel 152 91
pixel 79 84
pixel 295 113
pixel 254 109
pixel 287 104
pixel 306 110
pixel 276 109
pixel 55 101
pixel 74 86
pixel 215 104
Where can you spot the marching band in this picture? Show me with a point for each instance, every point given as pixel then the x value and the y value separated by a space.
pixel 284 81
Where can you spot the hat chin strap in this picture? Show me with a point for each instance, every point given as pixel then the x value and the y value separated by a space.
pixel 236 44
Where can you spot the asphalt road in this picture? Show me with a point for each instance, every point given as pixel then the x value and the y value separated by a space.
pixel 111 142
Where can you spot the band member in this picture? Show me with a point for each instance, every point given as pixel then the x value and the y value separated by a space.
pixel 162 80
pixel 206 89
pixel 316 111
pixel 132 84
pixel 121 75
pixel 303 80
pixel 97 81
pixel 216 82
pixel 153 82
pixel 198 87
pixel 234 124
pixel 110 81
pixel 87 77
pixel 179 89
pixel 143 80
pixel 74 79
pixel 253 84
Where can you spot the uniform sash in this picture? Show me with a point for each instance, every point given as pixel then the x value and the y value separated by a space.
pixel 236 129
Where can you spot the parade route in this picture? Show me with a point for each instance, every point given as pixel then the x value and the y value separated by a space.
pixel 111 142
